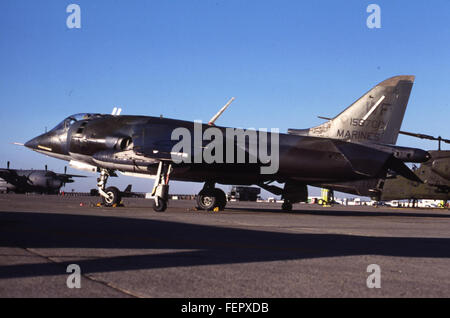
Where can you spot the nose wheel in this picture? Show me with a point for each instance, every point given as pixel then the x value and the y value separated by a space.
pixel 161 188
pixel 113 198
pixel 110 196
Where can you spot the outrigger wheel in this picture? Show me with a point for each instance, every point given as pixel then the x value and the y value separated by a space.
pixel 113 197
pixel 211 198
pixel 286 206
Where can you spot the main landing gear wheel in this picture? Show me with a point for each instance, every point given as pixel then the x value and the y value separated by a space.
pixel 206 200
pixel 113 197
pixel 211 198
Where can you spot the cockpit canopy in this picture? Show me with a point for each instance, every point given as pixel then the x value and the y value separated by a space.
pixel 69 121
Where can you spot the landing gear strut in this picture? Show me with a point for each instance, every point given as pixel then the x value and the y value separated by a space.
pixel 110 196
pixel 161 187
pixel 210 198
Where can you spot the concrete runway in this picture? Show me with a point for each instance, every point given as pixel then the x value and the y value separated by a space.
pixel 249 250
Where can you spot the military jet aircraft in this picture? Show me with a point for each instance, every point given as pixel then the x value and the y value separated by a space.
pixel 192 151
pixel 36 181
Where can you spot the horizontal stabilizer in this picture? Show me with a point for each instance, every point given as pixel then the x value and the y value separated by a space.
pixel 366 160
pixel 399 167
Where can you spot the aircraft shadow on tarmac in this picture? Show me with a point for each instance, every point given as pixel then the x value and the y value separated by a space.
pixel 204 245
pixel 325 212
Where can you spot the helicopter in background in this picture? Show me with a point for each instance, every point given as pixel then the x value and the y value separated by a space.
pixel 435 174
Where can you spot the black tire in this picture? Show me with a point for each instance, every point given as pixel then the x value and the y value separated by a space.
pixel 114 197
pixel 286 206
pixel 221 199
pixel 206 199
pixel 161 206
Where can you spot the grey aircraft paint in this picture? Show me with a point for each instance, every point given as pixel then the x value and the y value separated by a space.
pixel 142 144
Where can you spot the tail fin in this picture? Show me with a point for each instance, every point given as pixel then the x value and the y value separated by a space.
pixel 376 117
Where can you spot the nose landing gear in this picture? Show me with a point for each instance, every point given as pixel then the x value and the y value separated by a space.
pixel 161 187
pixel 111 195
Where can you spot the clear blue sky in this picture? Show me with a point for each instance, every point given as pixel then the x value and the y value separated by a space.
pixel 285 62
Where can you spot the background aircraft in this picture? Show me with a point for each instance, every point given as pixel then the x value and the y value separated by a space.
pixel 143 145
pixel 435 174
pixel 36 181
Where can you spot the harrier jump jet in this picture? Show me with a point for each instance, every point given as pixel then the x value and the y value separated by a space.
pixel 171 149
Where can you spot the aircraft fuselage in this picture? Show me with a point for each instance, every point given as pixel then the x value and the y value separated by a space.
pixel 137 143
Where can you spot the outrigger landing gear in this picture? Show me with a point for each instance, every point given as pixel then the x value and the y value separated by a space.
pixel 210 198
pixel 293 192
pixel 110 196
pixel 286 206
pixel 161 187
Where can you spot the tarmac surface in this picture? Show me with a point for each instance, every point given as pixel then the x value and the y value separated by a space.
pixel 249 250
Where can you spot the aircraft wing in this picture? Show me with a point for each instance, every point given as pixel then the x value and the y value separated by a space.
pixel 8 175
pixel 67 178
pixel 154 142
pixel 64 175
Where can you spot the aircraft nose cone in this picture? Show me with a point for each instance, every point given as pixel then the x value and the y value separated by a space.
pixel 33 143
pixel 42 142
